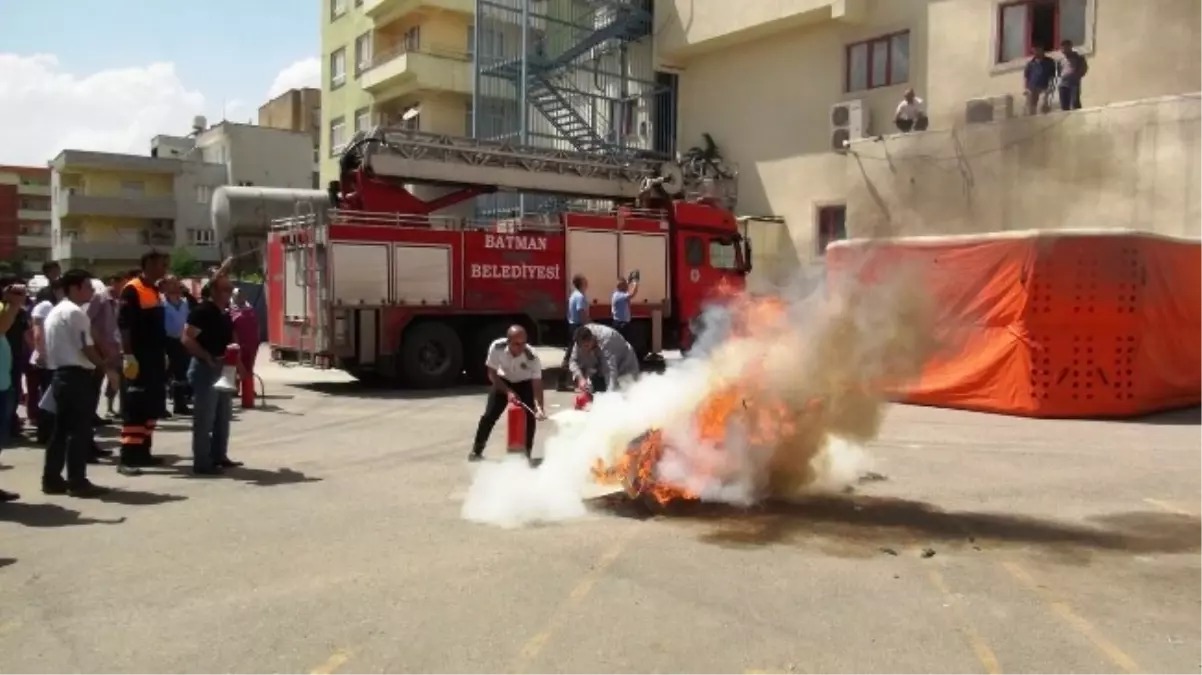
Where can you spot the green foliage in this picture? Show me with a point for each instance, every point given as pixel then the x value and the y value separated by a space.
pixel 184 264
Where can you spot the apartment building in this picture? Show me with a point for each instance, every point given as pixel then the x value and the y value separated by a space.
pixel 382 58
pixel 297 110
pixel 258 155
pixel 107 209
pixel 24 215
pixel 294 110
pixel 780 85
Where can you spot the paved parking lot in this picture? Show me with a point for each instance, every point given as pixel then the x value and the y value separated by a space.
pixel 1057 546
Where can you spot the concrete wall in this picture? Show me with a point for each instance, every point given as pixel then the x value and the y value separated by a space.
pixel 767 100
pixel 1128 165
pixel 261 156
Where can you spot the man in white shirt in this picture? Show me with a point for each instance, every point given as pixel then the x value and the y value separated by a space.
pixel 911 113
pixel 516 375
pixel 71 354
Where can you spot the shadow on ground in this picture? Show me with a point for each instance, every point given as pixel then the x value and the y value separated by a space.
pixel 5 562
pixel 863 526
pixel 1181 417
pixel 181 467
pixel 362 390
pixel 49 515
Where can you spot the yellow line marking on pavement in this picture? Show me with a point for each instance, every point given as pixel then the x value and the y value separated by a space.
pixel 333 663
pixel 1062 609
pixel 976 642
pixel 1166 506
pixel 535 644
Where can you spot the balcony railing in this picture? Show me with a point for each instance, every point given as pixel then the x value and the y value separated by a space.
pixel 396 51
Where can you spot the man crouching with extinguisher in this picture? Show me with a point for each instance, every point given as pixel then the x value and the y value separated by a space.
pixel 516 375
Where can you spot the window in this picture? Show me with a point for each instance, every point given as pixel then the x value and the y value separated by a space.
pixel 1021 25
pixel 471 40
pixel 832 226
pixel 413 39
pixel 362 119
pixel 879 62
pixel 337 8
pixel 694 252
pixel 362 53
pixel 413 123
pixel 133 188
pixel 338 68
pixel 204 194
pixel 199 237
pixel 467 119
pixel 723 255
pixel 337 135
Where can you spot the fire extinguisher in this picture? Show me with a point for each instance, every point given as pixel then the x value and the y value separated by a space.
pixel 515 419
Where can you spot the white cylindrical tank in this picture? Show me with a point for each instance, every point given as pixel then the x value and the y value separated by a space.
pixel 250 210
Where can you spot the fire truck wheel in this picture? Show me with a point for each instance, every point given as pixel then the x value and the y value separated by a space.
pixel 477 350
pixel 431 355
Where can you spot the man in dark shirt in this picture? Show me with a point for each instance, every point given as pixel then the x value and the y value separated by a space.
pixel 208 333
pixel 141 321
pixel 1072 69
pixel 52 271
pixel 1037 80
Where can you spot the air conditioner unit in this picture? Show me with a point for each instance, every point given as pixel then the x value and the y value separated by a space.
pixel 993 109
pixel 849 121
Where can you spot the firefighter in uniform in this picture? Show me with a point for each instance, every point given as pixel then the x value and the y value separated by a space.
pixel 516 375
pixel 144 363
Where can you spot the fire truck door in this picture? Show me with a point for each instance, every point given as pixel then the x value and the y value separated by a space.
pixel 704 261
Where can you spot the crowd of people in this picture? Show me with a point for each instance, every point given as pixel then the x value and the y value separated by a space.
pixel 138 338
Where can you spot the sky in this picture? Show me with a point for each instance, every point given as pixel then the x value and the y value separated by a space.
pixel 108 75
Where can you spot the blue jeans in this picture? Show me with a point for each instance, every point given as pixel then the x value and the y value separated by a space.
pixel 211 412
pixel 1070 95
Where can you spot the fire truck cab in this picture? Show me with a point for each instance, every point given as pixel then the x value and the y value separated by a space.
pixel 389 285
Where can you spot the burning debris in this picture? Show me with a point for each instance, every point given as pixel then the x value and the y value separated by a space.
pixel 776 400
pixel 779 397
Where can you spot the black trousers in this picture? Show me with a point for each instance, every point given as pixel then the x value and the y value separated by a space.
pixel 567 353
pixel 497 402
pixel 71 439
pixel 177 361
pixel 45 420
pixel 143 401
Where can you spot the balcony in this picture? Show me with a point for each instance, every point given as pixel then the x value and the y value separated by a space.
pixel 84 160
pixel 118 206
pixel 386 11
pixel 33 241
pixel 34 189
pixel 399 72
pixel 34 214
pixel 122 245
pixel 687 28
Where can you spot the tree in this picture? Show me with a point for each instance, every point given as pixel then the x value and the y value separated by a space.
pixel 184 264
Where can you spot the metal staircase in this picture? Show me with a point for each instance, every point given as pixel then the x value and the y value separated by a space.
pixel 598 28
pixel 560 112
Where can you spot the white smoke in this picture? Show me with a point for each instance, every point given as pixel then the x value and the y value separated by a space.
pixel 512 494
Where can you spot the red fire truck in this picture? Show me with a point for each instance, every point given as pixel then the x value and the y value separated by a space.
pixel 389 285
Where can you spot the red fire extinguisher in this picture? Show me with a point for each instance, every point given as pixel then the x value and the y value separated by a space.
pixel 515 419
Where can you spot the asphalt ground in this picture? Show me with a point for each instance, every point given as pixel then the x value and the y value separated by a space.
pixel 991 544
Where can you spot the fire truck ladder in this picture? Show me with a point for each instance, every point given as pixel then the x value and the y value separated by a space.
pixel 453 161
pixel 311 277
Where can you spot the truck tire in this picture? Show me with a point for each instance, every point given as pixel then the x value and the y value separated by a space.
pixel 478 350
pixel 431 356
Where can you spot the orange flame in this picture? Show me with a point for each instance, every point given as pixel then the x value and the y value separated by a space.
pixel 764 422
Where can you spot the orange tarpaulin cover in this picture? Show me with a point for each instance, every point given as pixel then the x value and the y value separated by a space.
pixel 1051 323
